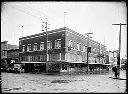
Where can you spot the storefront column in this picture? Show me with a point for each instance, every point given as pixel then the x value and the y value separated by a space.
pixel 60 56
pixel 99 68
pixel 60 66
pixel 68 66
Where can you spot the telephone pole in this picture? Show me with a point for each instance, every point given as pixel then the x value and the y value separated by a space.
pixel 64 18
pixel 22 31
pixel 87 49
pixel 46 28
pixel 118 58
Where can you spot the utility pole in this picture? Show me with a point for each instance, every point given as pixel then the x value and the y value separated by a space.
pixel 87 49
pixel 64 18
pixel 22 31
pixel 118 58
pixel 46 28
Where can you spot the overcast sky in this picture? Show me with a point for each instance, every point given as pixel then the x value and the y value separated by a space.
pixel 82 17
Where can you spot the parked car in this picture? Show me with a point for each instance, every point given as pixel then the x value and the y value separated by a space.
pixel 3 69
pixel 18 70
pixel 10 70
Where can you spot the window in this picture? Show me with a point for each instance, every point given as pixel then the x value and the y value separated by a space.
pixel 4 53
pixel 49 45
pixel 29 47
pixel 23 48
pixel 30 58
pixel 70 44
pixel 58 43
pixel 84 48
pixel 36 58
pixel 62 56
pixel 35 47
pixel 42 46
pixel 78 46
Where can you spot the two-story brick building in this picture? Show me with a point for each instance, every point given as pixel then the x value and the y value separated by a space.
pixel 67 51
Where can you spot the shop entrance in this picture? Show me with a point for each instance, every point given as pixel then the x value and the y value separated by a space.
pixel 64 67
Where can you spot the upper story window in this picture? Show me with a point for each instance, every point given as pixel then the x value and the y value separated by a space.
pixel 4 53
pixel 78 46
pixel 35 47
pixel 29 47
pixel 70 44
pixel 84 48
pixel 23 48
pixel 49 45
pixel 42 46
pixel 58 43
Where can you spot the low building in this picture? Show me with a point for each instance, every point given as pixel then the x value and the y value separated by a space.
pixel 67 51
pixel 7 52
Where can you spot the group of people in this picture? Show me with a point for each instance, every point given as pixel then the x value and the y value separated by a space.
pixel 91 68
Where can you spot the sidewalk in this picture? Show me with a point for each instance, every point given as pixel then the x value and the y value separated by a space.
pixel 123 74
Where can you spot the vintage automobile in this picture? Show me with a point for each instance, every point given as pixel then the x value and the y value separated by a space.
pixel 10 70
pixel 18 68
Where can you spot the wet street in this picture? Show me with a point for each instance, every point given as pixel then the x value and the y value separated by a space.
pixel 27 82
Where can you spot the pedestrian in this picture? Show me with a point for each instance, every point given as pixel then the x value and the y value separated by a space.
pixel 90 68
pixel 107 68
pixel 114 69
pixel 93 68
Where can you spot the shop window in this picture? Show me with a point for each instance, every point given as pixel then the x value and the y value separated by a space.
pixel 64 66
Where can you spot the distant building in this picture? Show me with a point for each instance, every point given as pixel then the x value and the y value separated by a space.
pixel 7 51
pixel 67 49
pixel 113 57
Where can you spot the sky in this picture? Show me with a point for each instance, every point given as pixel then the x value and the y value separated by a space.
pixel 82 17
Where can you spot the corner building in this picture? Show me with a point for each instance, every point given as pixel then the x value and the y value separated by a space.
pixel 67 51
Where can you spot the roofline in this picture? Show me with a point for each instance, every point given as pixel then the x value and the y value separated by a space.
pixel 43 33
pixel 63 28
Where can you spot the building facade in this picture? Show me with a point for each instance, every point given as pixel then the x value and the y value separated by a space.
pixel 7 51
pixel 113 57
pixel 67 49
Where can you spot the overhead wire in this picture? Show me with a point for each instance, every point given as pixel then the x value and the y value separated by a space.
pixel 21 10
pixel 40 12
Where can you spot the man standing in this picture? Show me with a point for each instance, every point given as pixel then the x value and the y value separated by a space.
pixel 114 69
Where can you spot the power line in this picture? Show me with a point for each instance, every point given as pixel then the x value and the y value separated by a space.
pixel 36 10
pixel 24 11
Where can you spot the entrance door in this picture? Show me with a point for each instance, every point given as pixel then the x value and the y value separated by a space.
pixel 64 67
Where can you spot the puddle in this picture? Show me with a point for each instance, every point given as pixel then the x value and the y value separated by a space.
pixel 60 81
pixel 17 88
pixel 6 89
pixel 64 81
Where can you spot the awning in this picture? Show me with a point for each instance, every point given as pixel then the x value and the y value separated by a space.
pixel 78 62
pixel 95 63
pixel 107 64
pixel 28 62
